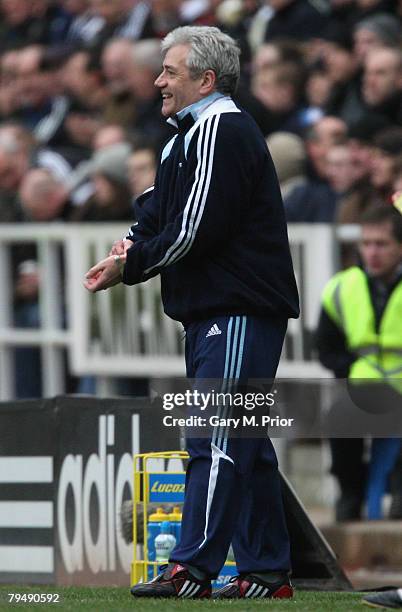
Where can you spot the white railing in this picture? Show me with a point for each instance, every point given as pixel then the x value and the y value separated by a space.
pixel 123 332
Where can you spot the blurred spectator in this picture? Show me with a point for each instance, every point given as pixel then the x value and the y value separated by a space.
pixel 81 79
pixel 340 171
pixel 165 16
pixel 130 70
pixel 84 25
pixel 19 152
pixel 77 111
pixel 235 17
pixel 316 201
pixel 141 166
pixel 258 25
pixel 318 89
pixel 312 202
pixel 275 66
pixel 122 19
pixel 27 23
pixel 297 19
pixel 27 359
pixel 337 53
pixel 15 148
pixel 280 90
pixel 342 10
pixel 111 198
pixel 289 157
pixel 44 198
pixel 327 132
pixel 116 66
pixel 145 66
pixel 361 195
pixel 342 70
pixel 380 30
pixel 48 127
pixel 365 8
pixel 387 148
pixel 270 54
pixel 108 135
pixel 382 83
pixel 359 337
pixel 26 94
pixel 74 139
pixel 360 139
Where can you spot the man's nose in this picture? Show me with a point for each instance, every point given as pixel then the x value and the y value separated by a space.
pixel 159 81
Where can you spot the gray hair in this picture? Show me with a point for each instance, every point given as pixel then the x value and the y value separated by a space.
pixel 210 49
pixel 386 27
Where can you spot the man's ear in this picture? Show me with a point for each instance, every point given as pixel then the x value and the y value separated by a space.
pixel 208 82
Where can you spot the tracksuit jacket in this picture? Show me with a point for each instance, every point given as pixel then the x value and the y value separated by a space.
pixel 213 225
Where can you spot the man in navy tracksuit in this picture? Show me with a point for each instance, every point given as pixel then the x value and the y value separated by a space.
pixel 213 227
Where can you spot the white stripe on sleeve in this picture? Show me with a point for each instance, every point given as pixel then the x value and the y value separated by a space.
pixel 196 201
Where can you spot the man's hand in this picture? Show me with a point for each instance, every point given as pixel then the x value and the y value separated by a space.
pixel 103 275
pixel 120 247
pixel 107 272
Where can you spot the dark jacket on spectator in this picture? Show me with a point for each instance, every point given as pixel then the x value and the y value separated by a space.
pixel 299 20
pixel 313 202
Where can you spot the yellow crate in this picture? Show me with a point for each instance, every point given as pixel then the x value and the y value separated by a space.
pixel 142 492
pixel 140 566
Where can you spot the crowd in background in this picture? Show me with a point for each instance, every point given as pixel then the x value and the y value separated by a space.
pixel 80 121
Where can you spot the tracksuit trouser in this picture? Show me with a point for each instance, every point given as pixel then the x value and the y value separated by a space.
pixel 233 493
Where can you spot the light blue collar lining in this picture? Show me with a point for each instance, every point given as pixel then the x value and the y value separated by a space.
pixel 197 107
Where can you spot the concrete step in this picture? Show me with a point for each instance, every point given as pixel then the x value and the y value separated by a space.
pixel 366 544
pixel 363 578
pixel 308 471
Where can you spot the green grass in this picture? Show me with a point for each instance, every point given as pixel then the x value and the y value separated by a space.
pixel 117 599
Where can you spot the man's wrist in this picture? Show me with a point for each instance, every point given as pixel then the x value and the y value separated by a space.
pixel 120 261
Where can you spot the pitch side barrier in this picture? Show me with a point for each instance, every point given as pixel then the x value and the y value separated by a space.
pixel 66 474
pixel 124 332
pixel 66 468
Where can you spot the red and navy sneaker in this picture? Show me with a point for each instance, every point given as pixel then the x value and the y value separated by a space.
pixel 174 581
pixel 249 586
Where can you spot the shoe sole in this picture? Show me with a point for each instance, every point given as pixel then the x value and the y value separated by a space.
pixel 284 592
pixel 376 605
pixel 145 595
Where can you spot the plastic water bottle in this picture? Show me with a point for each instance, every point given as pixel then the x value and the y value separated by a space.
pixel 155 521
pixel 164 543
pixel 175 520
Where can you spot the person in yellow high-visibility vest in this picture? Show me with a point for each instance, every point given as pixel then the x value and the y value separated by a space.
pixel 360 337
